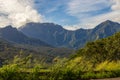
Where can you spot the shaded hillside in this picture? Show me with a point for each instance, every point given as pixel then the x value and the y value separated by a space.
pixel 48 32
pixel 9 50
pixel 49 52
pixel 13 35
pixel 57 36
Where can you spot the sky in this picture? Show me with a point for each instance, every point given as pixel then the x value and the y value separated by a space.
pixel 71 14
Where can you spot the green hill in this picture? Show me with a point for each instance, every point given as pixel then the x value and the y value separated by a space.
pixel 101 50
pixel 98 59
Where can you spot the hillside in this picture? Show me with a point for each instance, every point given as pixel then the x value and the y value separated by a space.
pixel 97 60
pixel 101 50
pixel 52 33
pixel 57 36
pixel 9 50
pixel 14 36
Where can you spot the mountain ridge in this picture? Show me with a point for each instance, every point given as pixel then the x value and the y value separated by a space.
pixel 57 36
pixel 14 36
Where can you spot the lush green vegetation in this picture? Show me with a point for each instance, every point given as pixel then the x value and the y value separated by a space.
pixel 99 59
pixel 60 71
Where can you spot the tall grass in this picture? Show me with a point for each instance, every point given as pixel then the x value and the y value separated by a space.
pixel 62 70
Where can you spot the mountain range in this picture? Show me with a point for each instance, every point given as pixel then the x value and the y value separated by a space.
pixel 57 36
pixel 53 35
pixel 19 41
pixel 46 39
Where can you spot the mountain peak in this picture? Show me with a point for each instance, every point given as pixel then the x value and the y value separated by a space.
pixel 105 24
pixel 9 26
pixel 108 21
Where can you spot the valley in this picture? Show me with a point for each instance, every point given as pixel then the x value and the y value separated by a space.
pixel 36 59
pixel 59 39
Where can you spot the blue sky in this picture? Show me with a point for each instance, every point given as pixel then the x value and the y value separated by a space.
pixel 55 11
pixel 73 14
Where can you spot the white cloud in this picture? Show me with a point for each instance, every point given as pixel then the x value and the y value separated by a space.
pixel 114 15
pixel 72 28
pixel 82 8
pixel 116 5
pixel 4 21
pixel 78 26
pixel 18 12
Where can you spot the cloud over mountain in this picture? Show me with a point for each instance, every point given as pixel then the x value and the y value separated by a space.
pixel 92 12
pixel 18 12
pixel 72 14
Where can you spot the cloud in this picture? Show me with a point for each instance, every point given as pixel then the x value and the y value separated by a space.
pixel 18 12
pixel 116 5
pixel 92 12
pixel 113 15
pixel 78 26
pixel 81 8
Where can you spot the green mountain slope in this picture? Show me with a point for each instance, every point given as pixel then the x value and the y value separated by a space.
pixel 101 50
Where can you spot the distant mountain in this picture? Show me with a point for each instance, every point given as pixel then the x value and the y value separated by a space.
pixel 57 36
pixel 105 29
pixel 102 30
pixel 51 33
pixel 14 36
pixel 17 41
pixel 48 32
